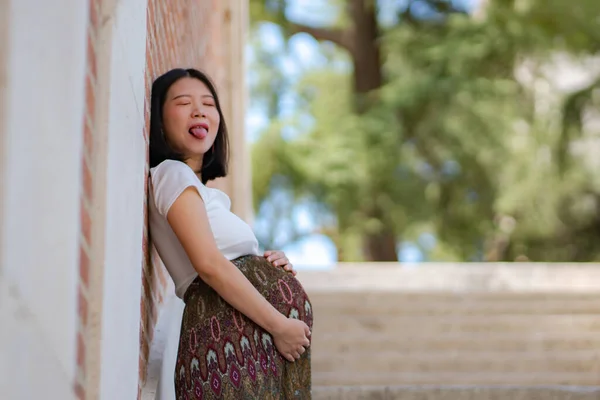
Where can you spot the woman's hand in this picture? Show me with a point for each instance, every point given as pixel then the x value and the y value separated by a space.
pixel 279 259
pixel 291 338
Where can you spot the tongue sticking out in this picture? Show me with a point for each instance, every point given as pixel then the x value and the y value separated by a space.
pixel 199 132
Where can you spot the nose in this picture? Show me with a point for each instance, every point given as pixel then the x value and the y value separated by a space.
pixel 198 112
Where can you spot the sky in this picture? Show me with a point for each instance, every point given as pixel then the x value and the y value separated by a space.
pixel 317 251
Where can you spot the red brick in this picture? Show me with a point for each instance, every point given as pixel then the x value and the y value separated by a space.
pixel 80 352
pixel 90 97
pixel 152 305
pixel 91 57
pixel 88 139
pixel 145 321
pixel 84 266
pixel 145 349
pixel 142 338
pixel 145 242
pixel 87 180
pixel 79 391
pixel 82 306
pixel 150 17
pixel 142 371
pixel 146 288
pixel 94 18
pixel 86 223
pixel 142 363
pixel 142 308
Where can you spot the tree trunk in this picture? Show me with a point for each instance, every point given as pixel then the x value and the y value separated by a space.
pixel 381 246
pixel 362 42
pixel 366 57
pixel 365 48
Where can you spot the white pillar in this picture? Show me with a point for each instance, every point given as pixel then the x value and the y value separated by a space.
pixel 41 130
pixel 125 175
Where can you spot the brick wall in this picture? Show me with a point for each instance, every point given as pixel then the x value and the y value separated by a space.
pixel 181 33
pixel 85 240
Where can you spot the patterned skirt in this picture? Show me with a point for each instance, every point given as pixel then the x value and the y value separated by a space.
pixel 224 355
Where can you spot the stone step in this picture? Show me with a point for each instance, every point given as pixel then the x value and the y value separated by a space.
pixel 451 377
pixel 492 362
pixel 455 393
pixel 377 342
pixel 456 277
pixel 401 303
pixel 367 324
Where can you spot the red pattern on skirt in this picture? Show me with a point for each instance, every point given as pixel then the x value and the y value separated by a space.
pixel 224 355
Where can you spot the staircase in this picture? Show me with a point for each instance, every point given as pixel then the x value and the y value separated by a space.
pixel 456 331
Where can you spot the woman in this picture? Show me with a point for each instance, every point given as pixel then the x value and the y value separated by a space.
pixel 246 325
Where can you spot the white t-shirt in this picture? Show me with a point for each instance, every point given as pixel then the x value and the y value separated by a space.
pixel 233 236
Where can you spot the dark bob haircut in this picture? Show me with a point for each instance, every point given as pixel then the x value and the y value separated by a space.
pixel 214 164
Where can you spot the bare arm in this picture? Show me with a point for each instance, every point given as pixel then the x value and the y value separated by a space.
pixel 189 221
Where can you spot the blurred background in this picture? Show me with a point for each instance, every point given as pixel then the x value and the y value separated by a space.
pixel 431 168
pixel 425 130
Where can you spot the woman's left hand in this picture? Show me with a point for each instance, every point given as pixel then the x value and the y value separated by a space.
pixel 279 259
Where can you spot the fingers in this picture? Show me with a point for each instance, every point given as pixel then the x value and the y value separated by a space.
pixel 279 259
pixel 289 267
pixel 298 353
pixel 295 354
pixel 306 330
pixel 281 262
pixel 273 256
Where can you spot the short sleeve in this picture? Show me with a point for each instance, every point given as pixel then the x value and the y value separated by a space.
pixel 169 179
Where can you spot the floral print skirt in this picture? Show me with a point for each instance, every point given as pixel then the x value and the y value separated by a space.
pixel 224 355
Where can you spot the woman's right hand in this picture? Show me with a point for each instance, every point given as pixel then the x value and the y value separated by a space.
pixel 292 338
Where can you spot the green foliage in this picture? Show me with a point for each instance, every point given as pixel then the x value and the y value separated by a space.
pixel 452 143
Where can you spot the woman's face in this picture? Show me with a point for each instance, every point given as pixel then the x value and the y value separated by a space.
pixel 190 117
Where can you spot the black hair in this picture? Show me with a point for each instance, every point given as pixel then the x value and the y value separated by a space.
pixel 214 163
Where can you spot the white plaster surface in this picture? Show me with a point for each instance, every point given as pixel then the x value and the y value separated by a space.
pixel 163 353
pixel 40 214
pixel 124 203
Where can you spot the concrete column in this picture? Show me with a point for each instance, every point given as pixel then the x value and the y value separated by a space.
pixel 42 80
pixel 238 184
pixel 125 164
pixel 4 12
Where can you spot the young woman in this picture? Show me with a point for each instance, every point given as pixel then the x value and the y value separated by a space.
pixel 246 326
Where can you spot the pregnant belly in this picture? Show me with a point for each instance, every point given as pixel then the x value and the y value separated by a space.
pixel 279 287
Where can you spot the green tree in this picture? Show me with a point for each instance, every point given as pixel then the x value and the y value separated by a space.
pixel 422 132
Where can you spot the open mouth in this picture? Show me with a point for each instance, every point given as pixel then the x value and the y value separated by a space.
pixel 199 131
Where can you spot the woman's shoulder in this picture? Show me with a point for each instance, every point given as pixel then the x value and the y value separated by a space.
pixel 174 172
pixel 173 175
pixel 169 166
pixel 169 179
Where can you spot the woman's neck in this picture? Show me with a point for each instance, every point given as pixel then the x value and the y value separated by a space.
pixel 195 164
